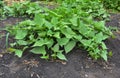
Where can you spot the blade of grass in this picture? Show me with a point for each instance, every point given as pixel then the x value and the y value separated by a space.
pixel 7 36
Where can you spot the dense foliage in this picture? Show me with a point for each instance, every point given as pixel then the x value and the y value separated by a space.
pixel 53 33
pixel 94 8
pixel 1 8
pixel 111 4
pixel 21 9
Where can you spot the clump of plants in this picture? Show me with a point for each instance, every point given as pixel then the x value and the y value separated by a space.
pixel 1 8
pixel 92 7
pixel 111 4
pixel 53 33
pixel 22 9
pixel 27 8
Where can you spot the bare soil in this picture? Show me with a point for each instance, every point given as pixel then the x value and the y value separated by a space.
pixel 79 65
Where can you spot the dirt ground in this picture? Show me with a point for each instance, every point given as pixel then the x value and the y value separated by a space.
pixel 79 65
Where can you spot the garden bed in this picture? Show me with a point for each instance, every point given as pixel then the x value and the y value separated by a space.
pixel 79 65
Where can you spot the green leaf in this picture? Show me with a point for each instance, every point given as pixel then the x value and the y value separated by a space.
pixel 96 50
pixel 39 20
pixel 83 29
pixel 9 9
pixel 22 42
pixel 57 34
pixel 61 56
pixel 48 24
pixel 99 37
pixel 62 41
pixel 42 42
pixel 78 37
pixel 38 50
pixel 50 33
pixel 90 34
pixel 110 53
pixel 118 8
pixel 104 55
pixel 39 43
pixel 105 36
pixel 68 32
pixel 45 57
pixel 69 46
pixel 99 25
pixel 51 43
pixel 54 20
pixel 55 48
pixel 20 34
pixel 18 53
pixel 86 42
pixel 42 33
pixel 104 46
pixel 74 21
pixel 11 49
pixel 42 50
pixel 27 22
pixel 53 13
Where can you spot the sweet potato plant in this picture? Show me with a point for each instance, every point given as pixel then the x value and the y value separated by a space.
pixel 54 33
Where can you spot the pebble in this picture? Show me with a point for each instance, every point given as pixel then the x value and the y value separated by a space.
pixel 86 75
pixel 1 55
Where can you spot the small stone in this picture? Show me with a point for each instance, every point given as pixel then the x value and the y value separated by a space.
pixel 1 74
pixel 82 67
pixel 1 55
pixel 64 63
pixel 89 58
pixel 86 75
pixel 38 76
pixel 87 66
pixel 32 74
